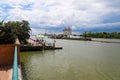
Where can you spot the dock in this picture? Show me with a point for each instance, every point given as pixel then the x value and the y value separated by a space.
pixel 31 48
pixel 52 48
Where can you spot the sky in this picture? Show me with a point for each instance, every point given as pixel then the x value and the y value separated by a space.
pixel 52 16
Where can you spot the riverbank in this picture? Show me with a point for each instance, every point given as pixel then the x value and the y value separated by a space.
pixel 103 40
pixel 84 39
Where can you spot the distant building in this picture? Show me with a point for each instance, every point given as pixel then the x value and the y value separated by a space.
pixel 67 32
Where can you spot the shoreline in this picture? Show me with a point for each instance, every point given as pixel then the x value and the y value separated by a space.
pixel 90 39
pixel 102 41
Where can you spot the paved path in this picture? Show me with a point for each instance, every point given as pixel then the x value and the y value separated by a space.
pixel 6 73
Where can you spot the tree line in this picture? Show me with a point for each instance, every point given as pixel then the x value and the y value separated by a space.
pixel 102 34
pixel 11 30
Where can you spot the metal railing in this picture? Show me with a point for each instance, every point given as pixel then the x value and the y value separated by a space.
pixel 15 65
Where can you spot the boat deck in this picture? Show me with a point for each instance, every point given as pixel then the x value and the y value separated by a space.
pixel 6 73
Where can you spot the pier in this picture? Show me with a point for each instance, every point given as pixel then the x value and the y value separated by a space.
pixel 38 46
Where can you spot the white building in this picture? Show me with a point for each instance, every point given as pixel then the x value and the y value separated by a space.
pixel 67 32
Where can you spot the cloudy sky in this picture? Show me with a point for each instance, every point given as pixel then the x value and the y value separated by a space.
pixel 54 15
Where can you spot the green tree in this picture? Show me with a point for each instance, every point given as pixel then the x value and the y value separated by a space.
pixel 102 35
pixel 11 30
pixel 24 32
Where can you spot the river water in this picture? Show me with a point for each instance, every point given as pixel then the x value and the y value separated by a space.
pixel 78 60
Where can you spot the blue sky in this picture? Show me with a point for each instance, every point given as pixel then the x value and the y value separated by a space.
pixel 53 16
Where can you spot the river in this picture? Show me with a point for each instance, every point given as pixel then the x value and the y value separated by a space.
pixel 78 60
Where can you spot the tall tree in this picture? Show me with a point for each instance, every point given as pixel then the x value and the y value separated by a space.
pixel 11 30
pixel 24 31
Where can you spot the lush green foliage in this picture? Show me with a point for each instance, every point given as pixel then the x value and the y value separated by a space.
pixel 11 30
pixel 102 35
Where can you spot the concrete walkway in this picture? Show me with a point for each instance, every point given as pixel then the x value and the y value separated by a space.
pixel 6 73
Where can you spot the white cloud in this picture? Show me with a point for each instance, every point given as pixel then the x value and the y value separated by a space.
pixel 116 24
pixel 36 31
pixel 53 13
